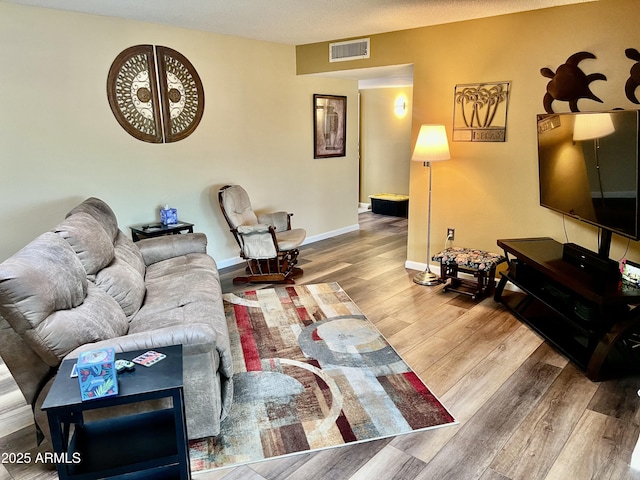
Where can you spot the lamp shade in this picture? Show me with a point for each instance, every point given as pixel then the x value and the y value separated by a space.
pixel 432 144
pixel 589 126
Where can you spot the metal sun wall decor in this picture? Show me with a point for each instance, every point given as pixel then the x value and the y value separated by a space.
pixel 480 112
pixel 329 125
pixel 166 107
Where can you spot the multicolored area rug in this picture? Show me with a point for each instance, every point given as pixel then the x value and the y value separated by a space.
pixel 312 372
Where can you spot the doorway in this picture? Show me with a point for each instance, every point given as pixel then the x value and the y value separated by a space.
pixel 385 141
pixel 385 113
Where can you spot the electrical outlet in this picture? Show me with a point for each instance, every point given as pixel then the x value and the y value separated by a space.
pixel 451 233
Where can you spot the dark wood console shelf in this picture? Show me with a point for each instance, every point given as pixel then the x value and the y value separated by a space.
pixel 592 321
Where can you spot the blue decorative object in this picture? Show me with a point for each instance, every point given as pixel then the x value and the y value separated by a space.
pixel 97 374
pixel 168 216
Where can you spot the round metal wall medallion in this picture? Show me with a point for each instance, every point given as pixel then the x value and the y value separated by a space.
pixel 166 108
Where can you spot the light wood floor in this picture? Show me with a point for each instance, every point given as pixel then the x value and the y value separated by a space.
pixel 524 411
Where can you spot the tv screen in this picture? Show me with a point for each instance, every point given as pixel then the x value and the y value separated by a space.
pixel 588 167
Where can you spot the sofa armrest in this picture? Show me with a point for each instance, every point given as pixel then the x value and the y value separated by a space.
pixel 196 338
pixel 156 249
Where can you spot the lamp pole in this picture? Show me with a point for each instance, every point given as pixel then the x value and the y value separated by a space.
pixel 427 277
pixel 431 146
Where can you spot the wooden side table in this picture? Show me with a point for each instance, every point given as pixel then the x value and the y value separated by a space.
pixel 150 444
pixel 157 229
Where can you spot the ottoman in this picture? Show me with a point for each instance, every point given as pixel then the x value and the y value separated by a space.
pixel 482 265
pixel 390 204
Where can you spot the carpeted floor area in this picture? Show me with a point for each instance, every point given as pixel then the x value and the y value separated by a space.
pixel 312 372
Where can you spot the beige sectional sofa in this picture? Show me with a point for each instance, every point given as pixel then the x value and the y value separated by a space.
pixel 86 285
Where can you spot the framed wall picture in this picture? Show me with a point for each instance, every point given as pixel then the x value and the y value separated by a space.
pixel 329 125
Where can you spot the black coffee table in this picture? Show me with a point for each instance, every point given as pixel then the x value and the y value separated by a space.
pixel 153 444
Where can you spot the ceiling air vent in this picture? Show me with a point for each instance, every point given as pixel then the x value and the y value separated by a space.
pixel 349 50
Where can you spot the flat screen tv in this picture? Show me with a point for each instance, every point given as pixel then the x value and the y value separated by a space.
pixel 588 169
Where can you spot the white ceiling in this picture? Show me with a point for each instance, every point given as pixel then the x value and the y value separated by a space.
pixel 297 22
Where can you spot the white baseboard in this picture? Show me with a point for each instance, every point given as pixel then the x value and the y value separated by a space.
pixel 419 266
pixel 333 233
pixel 364 207
pixel 229 262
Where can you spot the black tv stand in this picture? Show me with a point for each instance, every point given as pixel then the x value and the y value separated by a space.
pixel 590 262
pixel 590 318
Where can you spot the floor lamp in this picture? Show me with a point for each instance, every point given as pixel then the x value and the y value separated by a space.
pixel 431 146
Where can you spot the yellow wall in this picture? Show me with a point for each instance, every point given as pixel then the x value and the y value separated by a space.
pixel 59 142
pixel 385 141
pixel 489 191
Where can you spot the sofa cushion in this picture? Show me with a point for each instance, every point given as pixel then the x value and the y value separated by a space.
pixel 88 239
pixel 98 318
pixel 123 278
pixel 179 292
pixel 44 276
pixel 124 283
pixel 46 298
pixel 101 212
pixel 128 252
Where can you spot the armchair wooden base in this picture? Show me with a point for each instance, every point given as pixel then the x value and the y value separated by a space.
pixel 280 270
pixel 271 277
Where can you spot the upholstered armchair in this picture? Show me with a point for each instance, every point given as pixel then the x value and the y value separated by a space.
pixel 267 242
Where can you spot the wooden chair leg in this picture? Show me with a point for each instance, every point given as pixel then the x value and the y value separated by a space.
pixel 276 270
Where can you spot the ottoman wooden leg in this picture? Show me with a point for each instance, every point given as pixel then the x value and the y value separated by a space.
pixel 491 281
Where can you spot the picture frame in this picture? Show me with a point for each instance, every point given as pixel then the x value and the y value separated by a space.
pixel 329 125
